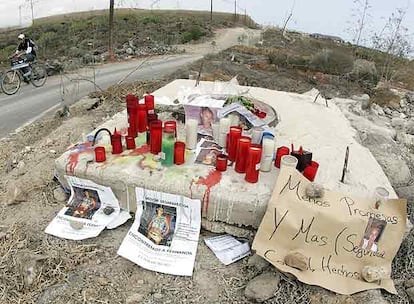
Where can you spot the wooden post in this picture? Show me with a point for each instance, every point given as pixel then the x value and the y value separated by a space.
pixel 111 30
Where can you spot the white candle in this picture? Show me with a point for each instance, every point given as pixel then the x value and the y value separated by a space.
pixel 268 147
pixel 224 129
pixel 216 131
pixel 257 133
pixel 191 133
pixel 234 119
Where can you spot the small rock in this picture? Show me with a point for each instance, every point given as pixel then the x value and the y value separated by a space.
pixel 136 298
pixel 140 282
pixel 60 195
pixel 15 194
pixel 262 287
pixel 3 236
pixel 27 149
pixel 258 262
pixel 76 225
pixel 102 281
pixel 409 283
pixel 21 165
pixel 409 127
pixel 108 210
pixel 398 123
pixel 129 51
pixel 157 296
pixel 53 151
pixel 314 190
pixel 365 104
pixel 373 296
pixel 297 260
pixel 98 262
pixel 403 116
pixel 372 273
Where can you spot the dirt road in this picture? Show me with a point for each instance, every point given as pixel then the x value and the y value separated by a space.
pixel 31 103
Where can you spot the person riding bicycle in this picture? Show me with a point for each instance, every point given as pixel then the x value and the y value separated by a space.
pixel 26 48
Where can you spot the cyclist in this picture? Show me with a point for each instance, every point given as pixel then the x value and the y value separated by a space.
pixel 26 48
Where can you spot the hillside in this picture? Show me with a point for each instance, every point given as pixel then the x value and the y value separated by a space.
pixel 83 37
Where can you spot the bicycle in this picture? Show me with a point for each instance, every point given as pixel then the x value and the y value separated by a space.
pixel 12 79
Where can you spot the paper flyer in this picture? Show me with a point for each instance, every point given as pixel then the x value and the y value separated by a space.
pixel 91 207
pixel 227 248
pixel 165 233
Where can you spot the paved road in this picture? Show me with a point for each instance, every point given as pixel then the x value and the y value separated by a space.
pixel 31 103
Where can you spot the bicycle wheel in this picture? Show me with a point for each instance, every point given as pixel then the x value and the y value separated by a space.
pixel 11 82
pixel 39 75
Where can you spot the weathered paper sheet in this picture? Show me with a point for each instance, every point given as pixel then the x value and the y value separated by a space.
pixel 338 234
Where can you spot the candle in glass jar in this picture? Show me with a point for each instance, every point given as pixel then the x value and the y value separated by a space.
pixel 234 135
pixel 150 117
pixel 257 133
pixel 179 153
pixel 224 129
pixel 242 151
pixel 130 143
pixel 268 147
pixel 171 125
pixel 142 118
pixel 253 163
pixel 234 119
pixel 191 133
pixel 167 151
pixel 100 154
pixel 132 104
pixel 116 142
pixel 221 162
pixel 281 151
pixel 311 170
pixel 155 136
pixel 381 196
pixel 149 103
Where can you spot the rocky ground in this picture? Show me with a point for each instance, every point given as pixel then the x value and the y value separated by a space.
pixel 38 268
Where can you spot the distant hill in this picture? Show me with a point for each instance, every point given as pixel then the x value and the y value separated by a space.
pixel 137 32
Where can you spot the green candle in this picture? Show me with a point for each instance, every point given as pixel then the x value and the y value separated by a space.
pixel 168 141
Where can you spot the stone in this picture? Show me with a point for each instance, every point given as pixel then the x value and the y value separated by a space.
pixel 108 210
pixel 323 296
pixel 262 287
pixel 76 225
pixel 84 104
pixel 129 51
pixel 297 260
pixel 365 104
pixel 135 298
pixel 409 127
pixel 398 123
pixel 3 236
pixel 314 190
pixel 410 293
pixel 256 261
pixel 29 266
pixel 157 296
pixel 60 195
pixel 102 281
pixel 372 296
pixel 373 274
pixel 15 194
pixel 52 293
pixel 409 283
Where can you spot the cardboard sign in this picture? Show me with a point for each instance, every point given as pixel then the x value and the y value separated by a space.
pixel 338 234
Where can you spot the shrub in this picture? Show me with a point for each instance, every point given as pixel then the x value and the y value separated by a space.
pixel 194 33
pixel 332 62
pixel 365 73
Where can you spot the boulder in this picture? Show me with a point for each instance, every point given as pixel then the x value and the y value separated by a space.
pixel 256 261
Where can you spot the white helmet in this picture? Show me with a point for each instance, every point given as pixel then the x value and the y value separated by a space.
pixel 21 36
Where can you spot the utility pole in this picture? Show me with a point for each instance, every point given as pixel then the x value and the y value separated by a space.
pixel 245 16
pixel 31 7
pixel 211 11
pixel 20 15
pixel 111 30
pixel 235 10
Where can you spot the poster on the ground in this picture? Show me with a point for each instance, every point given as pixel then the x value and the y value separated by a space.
pixel 338 235
pixel 164 235
pixel 91 207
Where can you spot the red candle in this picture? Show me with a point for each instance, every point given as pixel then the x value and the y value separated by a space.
pixel 310 171
pixel 100 155
pixel 149 102
pixel 179 153
pixel 281 151
pixel 150 117
pixel 155 136
pixel 221 162
pixel 141 118
pixel 171 125
pixel 253 163
pixel 243 146
pixel 130 143
pixel 132 103
pixel 116 142
pixel 314 164
pixel 235 134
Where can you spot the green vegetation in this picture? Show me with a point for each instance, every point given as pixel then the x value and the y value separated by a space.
pixel 73 35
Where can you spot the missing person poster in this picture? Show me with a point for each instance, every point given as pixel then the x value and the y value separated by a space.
pixel 90 209
pixel 164 235
pixel 337 235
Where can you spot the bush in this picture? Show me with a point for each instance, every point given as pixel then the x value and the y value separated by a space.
pixel 332 62
pixel 365 73
pixel 384 97
pixel 194 33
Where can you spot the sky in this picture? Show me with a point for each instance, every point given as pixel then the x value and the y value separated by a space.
pixel 332 17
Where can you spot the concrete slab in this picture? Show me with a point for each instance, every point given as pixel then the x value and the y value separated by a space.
pixel 227 197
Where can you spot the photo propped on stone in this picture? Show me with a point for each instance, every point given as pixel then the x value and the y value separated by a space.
pixel 372 234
